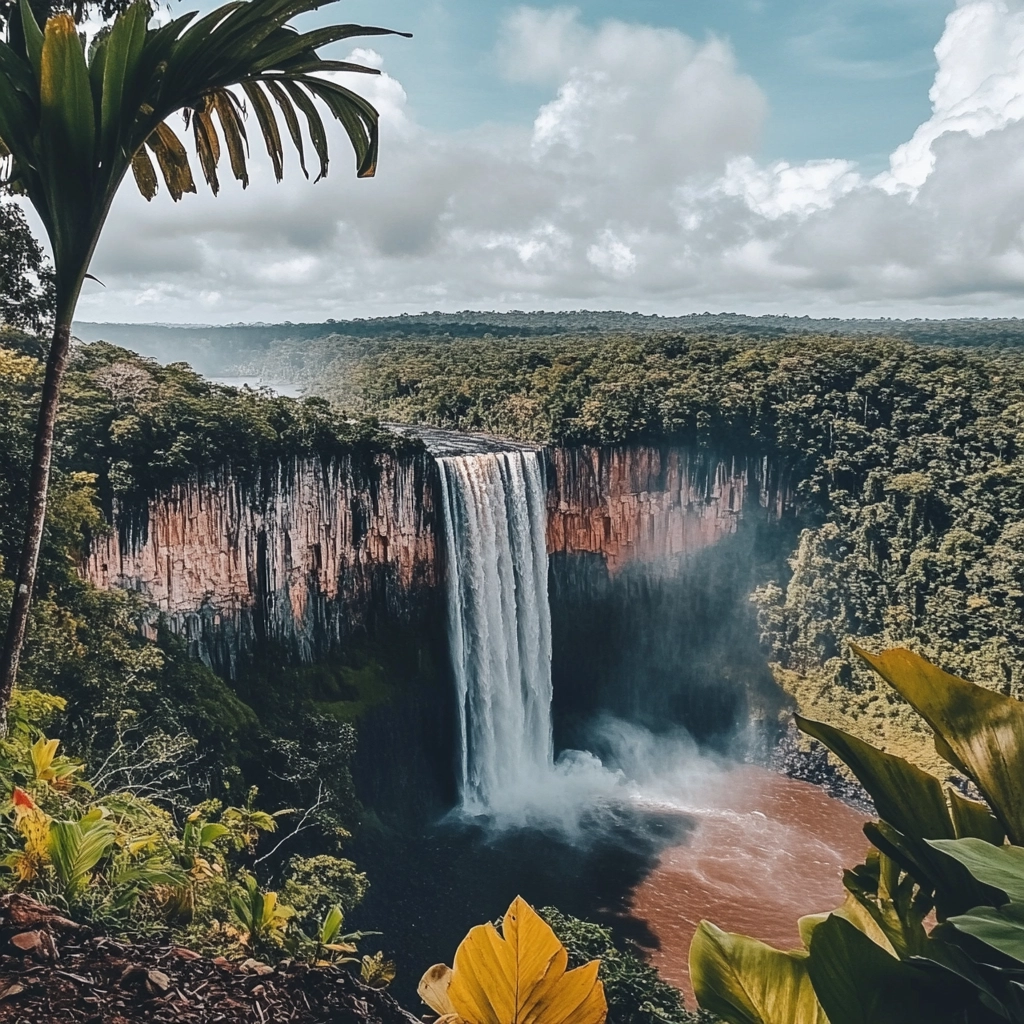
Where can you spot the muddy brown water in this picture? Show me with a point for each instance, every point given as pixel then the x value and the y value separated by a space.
pixel 765 851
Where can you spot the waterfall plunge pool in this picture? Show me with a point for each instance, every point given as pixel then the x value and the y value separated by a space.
pixel 649 838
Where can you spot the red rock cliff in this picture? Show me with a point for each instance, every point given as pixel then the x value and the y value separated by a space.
pixel 299 556
pixel 305 554
pixel 645 503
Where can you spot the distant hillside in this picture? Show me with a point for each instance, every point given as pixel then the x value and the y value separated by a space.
pixel 228 349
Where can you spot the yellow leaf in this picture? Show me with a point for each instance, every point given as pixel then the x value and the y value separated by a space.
pixel 518 977
pixel 433 989
pixel 743 980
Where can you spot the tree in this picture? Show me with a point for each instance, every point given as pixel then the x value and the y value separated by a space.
pixel 26 278
pixel 72 123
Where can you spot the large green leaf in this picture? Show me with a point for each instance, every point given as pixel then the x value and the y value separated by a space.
pixel 1001 867
pixel 1001 929
pixel 906 797
pixel 982 730
pixel 954 889
pixel 744 981
pixel 120 69
pixel 858 982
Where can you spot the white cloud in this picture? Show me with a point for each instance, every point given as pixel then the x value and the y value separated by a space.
pixel 979 86
pixel 636 186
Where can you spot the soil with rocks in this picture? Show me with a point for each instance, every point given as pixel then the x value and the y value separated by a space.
pixel 52 969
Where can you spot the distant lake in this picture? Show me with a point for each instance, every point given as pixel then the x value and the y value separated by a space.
pixel 284 390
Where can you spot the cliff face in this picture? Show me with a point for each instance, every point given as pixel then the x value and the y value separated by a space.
pixel 306 554
pixel 299 557
pixel 645 503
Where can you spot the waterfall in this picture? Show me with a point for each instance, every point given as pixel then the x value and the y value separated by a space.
pixel 499 623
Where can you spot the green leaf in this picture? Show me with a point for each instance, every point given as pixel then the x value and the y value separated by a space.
pixel 906 797
pixel 281 97
pixel 745 981
pixel 120 69
pixel 75 851
pixel 331 925
pixel 33 36
pixel 1001 929
pixel 314 123
pixel 954 888
pixel 1001 867
pixel 211 832
pixel 268 126
pixel 983 729
pixel 858 982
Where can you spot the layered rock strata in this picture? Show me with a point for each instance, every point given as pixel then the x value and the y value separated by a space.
pixel 298 557
pixel 645 503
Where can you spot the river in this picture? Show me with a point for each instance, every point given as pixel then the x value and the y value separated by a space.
pixel 765 852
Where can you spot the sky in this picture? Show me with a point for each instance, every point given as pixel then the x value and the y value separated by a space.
pixel 821 157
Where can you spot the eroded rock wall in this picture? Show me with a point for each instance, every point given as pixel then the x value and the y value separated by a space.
pixel 304 554
pixel 648 503
pixel 298 557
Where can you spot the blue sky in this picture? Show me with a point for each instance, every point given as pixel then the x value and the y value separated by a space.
pixel 671 156
pixel 845 78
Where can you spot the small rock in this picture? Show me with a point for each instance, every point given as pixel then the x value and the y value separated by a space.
pixel 252 966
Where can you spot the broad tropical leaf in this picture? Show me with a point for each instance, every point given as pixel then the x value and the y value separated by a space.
pixel 979 731
pixel 1001 867
pixel 1002 929
pixel 858 982
pixel 906 797
pixel 516 977
pixel 745 981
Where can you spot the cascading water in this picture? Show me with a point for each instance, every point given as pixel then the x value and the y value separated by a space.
pixel 499 623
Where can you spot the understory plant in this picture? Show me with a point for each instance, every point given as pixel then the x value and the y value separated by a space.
pixel 517 976
pixel 932 928
pixel 117 860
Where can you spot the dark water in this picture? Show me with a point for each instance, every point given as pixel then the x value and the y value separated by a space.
pixel 429 888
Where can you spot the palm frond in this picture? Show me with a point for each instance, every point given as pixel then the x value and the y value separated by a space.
pixel 72 123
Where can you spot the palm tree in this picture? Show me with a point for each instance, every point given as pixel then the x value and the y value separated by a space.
pixel 72 123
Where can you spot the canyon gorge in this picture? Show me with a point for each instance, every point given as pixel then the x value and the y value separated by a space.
pixel 588 609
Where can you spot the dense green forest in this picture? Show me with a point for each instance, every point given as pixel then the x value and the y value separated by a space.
pixel 143 717
pixel 292 352
pixel 907 463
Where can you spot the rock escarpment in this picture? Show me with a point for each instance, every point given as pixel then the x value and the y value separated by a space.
pixel 649 504
pixel 298 557
pixel 304 554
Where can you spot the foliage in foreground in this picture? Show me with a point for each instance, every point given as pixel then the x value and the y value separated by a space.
pixel 875 960
pixel 519 976
pixel 143 708
pixel 118 860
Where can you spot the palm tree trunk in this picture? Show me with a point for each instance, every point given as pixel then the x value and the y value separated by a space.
pixel 42 456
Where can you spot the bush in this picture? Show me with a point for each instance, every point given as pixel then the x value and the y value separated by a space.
pixel 316 884
pixel 635 992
